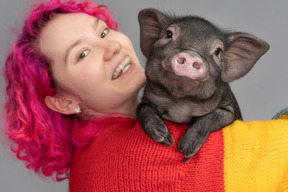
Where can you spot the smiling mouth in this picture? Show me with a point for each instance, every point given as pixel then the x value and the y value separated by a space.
pixel 122 68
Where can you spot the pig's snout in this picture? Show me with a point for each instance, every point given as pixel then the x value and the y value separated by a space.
pixel 187 65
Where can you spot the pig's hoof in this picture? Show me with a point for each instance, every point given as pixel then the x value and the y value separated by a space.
pixel 159 132
pixel 189 148
pixel 189 156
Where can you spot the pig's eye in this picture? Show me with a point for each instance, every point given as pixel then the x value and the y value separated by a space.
pixel 217 52
pixel 169 34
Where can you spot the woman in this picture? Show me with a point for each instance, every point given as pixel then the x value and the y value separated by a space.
pixel 72 90
pixel 36 55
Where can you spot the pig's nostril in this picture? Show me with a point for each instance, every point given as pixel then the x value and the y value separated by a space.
pixel 181 60
pixel 197 65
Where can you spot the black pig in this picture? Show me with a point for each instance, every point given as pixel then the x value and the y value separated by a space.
pixel 189 64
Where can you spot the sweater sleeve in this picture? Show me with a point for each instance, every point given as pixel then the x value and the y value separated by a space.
pixel 244 156
pixel 256 156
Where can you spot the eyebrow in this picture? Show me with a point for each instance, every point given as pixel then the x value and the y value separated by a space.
pixel 95 23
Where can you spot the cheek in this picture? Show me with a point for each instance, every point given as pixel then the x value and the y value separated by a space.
pixel 124 40
pixel 87 79
pixel 81 80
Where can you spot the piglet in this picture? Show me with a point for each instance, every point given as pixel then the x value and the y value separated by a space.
pixel 190 62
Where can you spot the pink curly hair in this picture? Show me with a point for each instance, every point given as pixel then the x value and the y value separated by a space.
pixel 42 138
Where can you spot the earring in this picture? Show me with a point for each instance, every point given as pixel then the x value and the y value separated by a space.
pixel 78 110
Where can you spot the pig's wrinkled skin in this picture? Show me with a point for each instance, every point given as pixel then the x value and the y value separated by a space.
pixel 189 65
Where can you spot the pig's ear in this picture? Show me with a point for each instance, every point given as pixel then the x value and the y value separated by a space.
pixel 151 22
pixel 242 53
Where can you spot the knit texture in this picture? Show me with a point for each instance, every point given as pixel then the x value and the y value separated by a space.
pixel 256 156
pixel 245 156
pixel 283 114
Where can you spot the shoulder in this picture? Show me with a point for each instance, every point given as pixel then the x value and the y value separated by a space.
pixel 252 132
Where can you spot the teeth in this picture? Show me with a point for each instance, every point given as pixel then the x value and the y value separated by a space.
pixel 122 68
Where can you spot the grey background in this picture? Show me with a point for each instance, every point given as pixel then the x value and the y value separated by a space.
pixel 261 93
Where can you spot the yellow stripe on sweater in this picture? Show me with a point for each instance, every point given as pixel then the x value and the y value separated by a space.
pixel 256 156
pixel 283 117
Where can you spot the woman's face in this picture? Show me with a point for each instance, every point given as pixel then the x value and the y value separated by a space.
pixel 97 64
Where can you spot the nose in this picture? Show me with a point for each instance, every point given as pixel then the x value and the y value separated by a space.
pixel 186 59
pixel 111 48
pixel 191 66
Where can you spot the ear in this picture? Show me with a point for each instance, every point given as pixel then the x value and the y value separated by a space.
pixel 243 52
pixel 61 104
pixel 151 23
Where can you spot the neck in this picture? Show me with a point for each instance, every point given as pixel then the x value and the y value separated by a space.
pixel 127 109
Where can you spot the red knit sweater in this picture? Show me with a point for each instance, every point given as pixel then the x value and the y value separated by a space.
pixel 124 158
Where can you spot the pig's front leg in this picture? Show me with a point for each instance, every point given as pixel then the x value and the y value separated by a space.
pixel 199 130
pixel 153 125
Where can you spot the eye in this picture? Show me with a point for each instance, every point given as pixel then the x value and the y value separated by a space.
pixel 82 55
pixel 169 34
pixel 217 51
pixel 105 32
